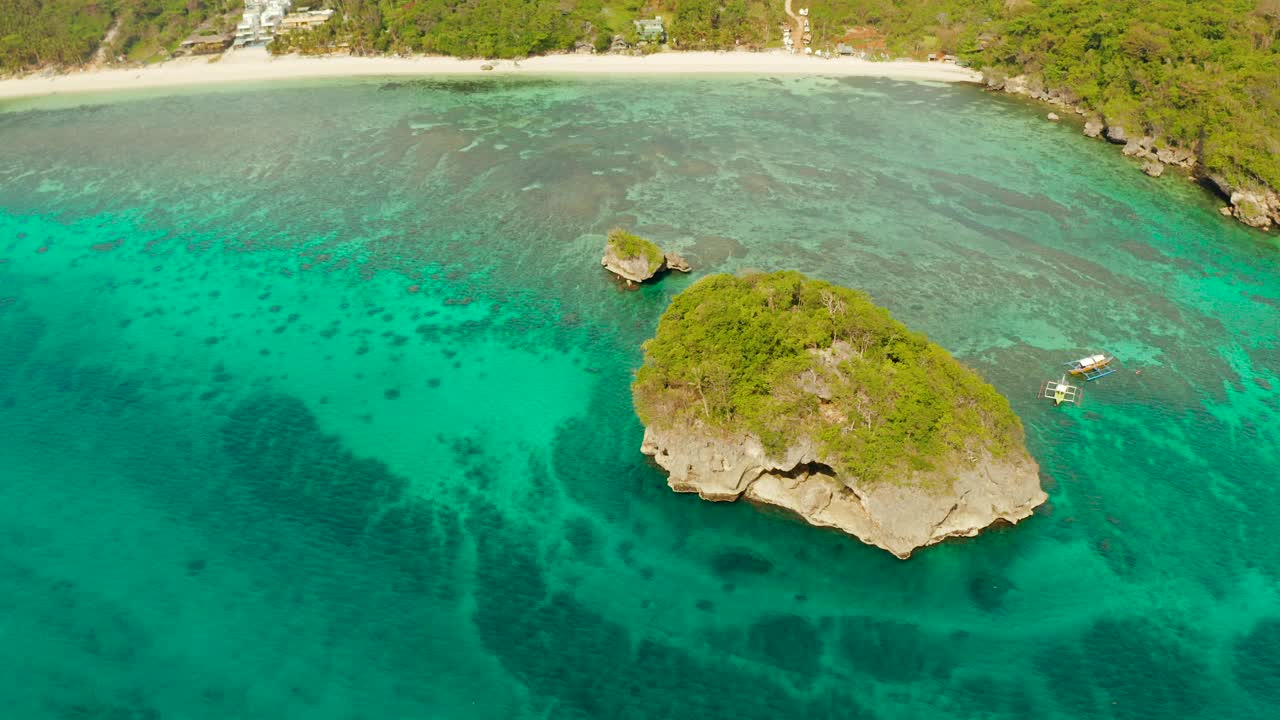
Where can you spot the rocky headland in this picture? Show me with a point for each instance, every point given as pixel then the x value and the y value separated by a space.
pixel 637 260
pixel 796 393
pixel 1252 203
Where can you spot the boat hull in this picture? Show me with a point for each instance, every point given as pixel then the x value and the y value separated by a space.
pixel 1090 368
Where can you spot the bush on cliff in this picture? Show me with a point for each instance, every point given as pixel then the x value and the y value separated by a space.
pixel 783 357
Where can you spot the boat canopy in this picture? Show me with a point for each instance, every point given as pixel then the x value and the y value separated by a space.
pixel 1090 360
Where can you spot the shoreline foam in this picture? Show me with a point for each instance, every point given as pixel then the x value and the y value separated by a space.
pixel 242 66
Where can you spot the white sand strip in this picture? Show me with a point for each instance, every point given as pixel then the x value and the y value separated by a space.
pixel 242 66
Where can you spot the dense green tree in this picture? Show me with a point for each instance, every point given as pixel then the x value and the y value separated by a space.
pixel 39 33
pixel 34 33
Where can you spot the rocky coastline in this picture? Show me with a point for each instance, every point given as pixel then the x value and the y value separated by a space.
pixel 1257 206
pixel 899 517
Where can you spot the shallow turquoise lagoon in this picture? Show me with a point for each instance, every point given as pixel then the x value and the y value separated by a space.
pixel 314 404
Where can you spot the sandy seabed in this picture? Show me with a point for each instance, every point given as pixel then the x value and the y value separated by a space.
pixel 241 66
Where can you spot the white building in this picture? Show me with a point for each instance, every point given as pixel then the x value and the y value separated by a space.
pixel 261 20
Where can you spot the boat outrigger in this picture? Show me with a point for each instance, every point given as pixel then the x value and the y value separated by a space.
pixel 1060 391
pixel 1092 367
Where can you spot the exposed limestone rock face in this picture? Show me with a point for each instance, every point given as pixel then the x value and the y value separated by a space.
pixel 1117 135
pixel 1093 128
pixel 1154 168
pixel 677 262
pixel 1256 207
pixel 1053 117
pixel 1180 157
pixel 899 517
pixel 1140 147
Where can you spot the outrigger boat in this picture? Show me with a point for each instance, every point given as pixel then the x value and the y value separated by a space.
pixel 1092 367
pixel 1059 391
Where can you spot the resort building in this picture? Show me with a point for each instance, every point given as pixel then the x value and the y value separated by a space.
pixel 304 19
pixel 205 41
pixel 651 30
pixel 260 22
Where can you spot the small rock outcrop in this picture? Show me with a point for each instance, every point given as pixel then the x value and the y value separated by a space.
pixel 1154 168
pixel 1140 147
pixel 1180 157
pixel 1093 127
pixel 1256 207
pixel 773 388
pixel 636 260
pixel 677 263
pixel 1018 85
pixel 1053 117
pixel 1117 135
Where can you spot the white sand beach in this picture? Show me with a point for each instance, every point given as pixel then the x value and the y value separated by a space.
pixel 242 66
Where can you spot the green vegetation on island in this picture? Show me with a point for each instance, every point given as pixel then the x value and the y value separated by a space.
pixel 626 246
pixel 783 357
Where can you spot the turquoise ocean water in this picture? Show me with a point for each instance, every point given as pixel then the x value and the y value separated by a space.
pixel 314 404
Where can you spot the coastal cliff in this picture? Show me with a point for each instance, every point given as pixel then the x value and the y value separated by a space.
pixel 799 394
pixel 899 517
pixel 1251 201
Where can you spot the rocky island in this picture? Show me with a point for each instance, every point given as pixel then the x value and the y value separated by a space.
pixel 635 259
pixel 801 394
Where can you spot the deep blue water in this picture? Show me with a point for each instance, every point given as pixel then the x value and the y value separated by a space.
pixel 314 404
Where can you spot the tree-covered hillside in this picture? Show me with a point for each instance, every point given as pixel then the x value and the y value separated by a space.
pixel 517 28
pixel 40 33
